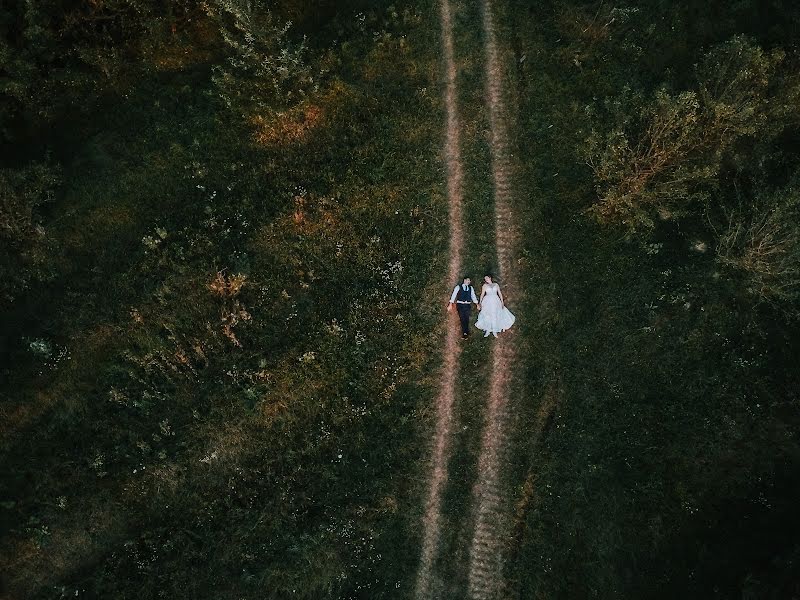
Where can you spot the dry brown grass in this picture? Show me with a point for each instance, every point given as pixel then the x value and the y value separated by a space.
pixel 288 127
pixel 227 286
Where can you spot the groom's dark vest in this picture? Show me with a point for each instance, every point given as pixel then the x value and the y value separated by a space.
pixel 464 295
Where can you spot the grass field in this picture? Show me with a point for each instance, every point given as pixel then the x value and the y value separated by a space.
pixel 665 469
pixel 232 390
pixel 221 353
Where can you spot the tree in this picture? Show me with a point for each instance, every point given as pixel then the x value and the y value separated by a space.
pixel 663 155
pixel 762 242
pixel 265 70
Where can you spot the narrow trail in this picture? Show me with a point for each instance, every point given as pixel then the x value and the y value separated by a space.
pixel 492 511
pixel 426 585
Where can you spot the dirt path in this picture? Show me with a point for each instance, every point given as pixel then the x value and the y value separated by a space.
pixel 426 585
pixel 492 508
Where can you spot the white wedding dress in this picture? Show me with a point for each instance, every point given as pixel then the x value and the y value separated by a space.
pixel 494 317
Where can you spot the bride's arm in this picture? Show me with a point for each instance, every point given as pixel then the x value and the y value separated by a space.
pixel 499 293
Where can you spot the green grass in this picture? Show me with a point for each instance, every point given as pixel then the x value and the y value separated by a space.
pixel 663 472
pixel 273 441
pixel 184 452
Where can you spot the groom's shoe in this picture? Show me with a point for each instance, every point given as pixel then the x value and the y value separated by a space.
pixel 464 336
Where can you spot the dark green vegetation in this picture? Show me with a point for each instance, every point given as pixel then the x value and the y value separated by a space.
pixel 660 142
pixel 222 253
pixel 215 365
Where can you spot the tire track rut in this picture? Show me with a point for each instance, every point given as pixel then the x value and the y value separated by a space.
pixel 492 512
pixel 432 521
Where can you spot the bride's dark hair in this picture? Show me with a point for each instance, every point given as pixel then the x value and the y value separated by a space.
pixel 490 276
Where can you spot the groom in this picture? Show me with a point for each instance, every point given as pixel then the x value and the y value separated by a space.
pixel 463 296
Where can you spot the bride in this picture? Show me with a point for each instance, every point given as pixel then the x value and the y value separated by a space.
pixel 494 316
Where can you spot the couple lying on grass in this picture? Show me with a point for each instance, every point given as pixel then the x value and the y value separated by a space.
pixel 493 315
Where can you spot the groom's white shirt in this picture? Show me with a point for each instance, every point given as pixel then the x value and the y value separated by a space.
pixel 460 286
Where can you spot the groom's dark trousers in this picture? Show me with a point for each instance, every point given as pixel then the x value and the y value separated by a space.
pixel 464 311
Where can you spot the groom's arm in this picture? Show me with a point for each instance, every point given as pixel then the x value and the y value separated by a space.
pixel 474 297
pixel 455 293
pixel 453 298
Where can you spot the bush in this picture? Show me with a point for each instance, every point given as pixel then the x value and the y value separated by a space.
pixel 265 69
pixel 763 244
pixel 663 155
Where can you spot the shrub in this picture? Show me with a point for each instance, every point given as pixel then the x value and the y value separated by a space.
pixel 764 245
pixel 662 155
pixel 265 69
